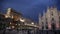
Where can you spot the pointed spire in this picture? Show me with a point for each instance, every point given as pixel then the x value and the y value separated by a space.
pixel 47 7
pixel 51 7
pixel 54 6
pixel 43 12
pixel 8 10
pixel 39 14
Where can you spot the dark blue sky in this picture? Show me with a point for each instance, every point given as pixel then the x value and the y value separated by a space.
pixel 29 8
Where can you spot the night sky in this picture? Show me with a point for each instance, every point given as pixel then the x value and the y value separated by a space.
pixel 29 8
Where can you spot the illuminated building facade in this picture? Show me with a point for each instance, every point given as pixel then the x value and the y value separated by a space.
pixel 11 13
pixel 15 21
pixel 50 20
pixel 12 18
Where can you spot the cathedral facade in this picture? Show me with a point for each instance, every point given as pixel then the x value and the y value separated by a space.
pixel 50 20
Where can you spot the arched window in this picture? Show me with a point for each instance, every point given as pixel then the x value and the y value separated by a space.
pixel 52 19
pixel 59 19
pixel 46 21
pixel 53 24
pixel 46 24
pixel 52 13
pixel 42 25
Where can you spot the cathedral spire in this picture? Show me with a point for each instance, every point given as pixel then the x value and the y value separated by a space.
pixel 39 14
pixel 43 12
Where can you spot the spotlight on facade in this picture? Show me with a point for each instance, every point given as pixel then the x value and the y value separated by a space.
pixel 10 23
pixel 13 27
pixel 32 23
pixel 12 17
pixel 6 16
pixel 22 20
